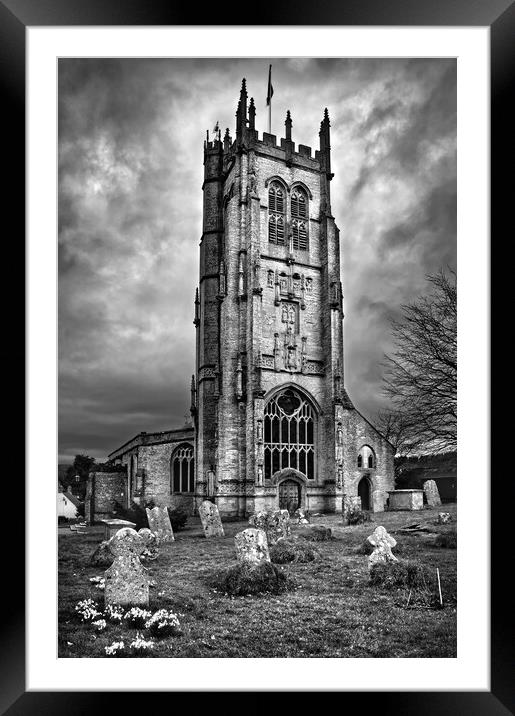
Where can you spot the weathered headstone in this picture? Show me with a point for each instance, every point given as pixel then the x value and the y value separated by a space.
pixel 151 550
pixel 275 524
pixel 378 500
pixel 382 543
pixel 126 580
pixel 251 546
pixel 300 516
pixel 159 523
pixel 432 494
pixel 444 518
pixel 210 518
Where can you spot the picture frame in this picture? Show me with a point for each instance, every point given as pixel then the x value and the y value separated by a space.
pixel 15 17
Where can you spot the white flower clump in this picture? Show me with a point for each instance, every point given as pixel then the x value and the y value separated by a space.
pixel 98 582
pixel 137 616
pixel 114 648
pixel 163 622
pixel 141 645
pixel 87 610
pixel 114 613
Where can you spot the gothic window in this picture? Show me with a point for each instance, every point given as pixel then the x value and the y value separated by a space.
pixel 182 469
pixel 290 430
pixel 276 218
pixel 366 458
pixel 299 219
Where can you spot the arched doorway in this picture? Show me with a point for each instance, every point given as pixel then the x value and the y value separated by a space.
pixel 289 495
pixel 364 493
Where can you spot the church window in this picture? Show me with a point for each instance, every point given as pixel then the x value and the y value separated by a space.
pixel 276 219
pixel 299 220
pixel 182 469
pixel 290 429
pixel 366 458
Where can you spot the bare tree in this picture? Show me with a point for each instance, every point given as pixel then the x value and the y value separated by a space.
pixel 421 375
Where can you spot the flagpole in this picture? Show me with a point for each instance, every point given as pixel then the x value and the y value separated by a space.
pixel 270 117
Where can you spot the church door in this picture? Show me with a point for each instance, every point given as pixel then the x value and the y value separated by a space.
pixel 364 493
pixel 289 495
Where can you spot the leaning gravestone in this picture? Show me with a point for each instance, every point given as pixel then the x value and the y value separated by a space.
pixel 126 580
pixel 151 550
pixel 382 543
pixel 432 494
pixel 159 523
pixel 210 518
pixel 251 546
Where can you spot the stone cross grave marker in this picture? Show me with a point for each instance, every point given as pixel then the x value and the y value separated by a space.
pixel 126 580
pixel 251 546
pixel 432 494
pixel 382 543
pixel 210 518
pixel 159 523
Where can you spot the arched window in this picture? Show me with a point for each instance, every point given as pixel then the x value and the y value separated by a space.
pixel 299 219
pixel 366 458
pixel 276 218
pixel 290 431
pixel 182 469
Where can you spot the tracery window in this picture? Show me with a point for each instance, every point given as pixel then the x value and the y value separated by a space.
pixel 182 469
pixel 299 219
pixel 366 457
pixel 276 211
pixel 290 432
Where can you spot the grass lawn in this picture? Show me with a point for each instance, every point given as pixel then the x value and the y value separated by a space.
pixel 332 612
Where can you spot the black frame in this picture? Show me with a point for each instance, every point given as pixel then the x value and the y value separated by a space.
pixel 15 16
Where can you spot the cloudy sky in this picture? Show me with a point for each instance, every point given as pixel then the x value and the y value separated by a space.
pixel 131 138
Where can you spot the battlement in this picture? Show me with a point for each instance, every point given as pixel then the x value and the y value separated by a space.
pixel 247 137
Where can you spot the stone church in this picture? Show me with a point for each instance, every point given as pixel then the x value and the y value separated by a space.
pixel 273 426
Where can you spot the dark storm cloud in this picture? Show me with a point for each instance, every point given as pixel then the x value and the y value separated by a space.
pixel 130 176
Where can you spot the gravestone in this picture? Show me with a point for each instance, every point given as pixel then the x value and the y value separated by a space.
pixel 432 494
pixel 251 546
pixel 210 518
pixel 126 580
pixel 378 500
pixel 275 524
pixel 151 550
pixel 382 543
pixel 444 518
pixel 160 525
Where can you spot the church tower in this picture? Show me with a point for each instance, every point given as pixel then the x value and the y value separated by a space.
pixel 274 425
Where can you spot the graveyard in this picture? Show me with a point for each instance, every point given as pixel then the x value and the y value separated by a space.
pixel 331 607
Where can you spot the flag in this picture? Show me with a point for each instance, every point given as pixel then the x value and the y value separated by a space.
pixel 270 88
